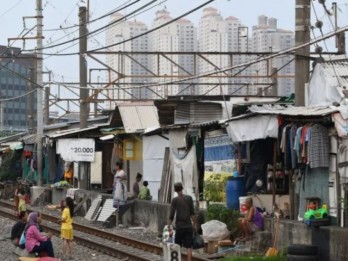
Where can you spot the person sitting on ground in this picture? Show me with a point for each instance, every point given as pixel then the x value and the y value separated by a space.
pixel 35 242
pixel 136 189
pixel 252 222
pixel 18 228
pixel 145 192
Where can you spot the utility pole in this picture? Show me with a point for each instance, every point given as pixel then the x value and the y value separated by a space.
pixel 302 35
pixel 31 98
pixel 39 131
pixel 84 105
pixel 47 100
pixel 274 82
pixel 340 37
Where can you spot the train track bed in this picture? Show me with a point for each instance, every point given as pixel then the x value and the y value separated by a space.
pixel 95 242
pixel 134 240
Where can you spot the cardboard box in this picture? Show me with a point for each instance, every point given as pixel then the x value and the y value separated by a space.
pixel 212 247
pixel 225 243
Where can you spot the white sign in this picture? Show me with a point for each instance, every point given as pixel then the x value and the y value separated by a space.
pixel 76 149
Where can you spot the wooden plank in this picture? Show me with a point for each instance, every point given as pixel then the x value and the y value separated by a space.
pixel 162 190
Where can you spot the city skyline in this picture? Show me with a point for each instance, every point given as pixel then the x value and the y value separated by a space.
pixel 214 33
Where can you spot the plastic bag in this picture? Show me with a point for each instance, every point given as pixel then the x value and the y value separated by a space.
pixel 22 240
pixel 197 241
pixel 215 230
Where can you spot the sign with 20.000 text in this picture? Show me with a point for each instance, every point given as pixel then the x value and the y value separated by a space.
pixel 76 149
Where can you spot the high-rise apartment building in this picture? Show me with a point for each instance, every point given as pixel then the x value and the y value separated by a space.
pixel 128 67
pixel 179 36
pixel 267 37
pixel 14 90
pixel 217 34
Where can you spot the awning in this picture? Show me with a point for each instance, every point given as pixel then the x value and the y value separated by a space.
pixel 13 145
pixel 253 128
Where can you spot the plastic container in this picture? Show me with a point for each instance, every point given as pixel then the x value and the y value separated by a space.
pixel 235 188
pixel 242 207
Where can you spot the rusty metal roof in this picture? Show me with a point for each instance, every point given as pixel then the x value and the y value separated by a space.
pixel 137 118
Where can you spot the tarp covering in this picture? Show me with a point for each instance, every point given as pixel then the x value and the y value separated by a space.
pixel 153 156
pixel 323 87
pixel 253 128
pixel 184 169
pixel 341 124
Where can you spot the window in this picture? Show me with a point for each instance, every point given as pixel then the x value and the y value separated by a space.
pixel 129 150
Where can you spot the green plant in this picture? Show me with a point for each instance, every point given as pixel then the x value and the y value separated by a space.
pixel 10 166
pixel 223 214
pixel 213 191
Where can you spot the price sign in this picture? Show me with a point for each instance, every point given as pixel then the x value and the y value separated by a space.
pixel 76 149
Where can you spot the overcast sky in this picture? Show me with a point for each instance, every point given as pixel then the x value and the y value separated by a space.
pixel 65 13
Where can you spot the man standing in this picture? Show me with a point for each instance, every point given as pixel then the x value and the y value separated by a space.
pixel 182 205
pixel 136 188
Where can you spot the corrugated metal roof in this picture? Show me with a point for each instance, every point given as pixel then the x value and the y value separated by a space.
pixel 13 137
pixel 136 118
pixel 337 72
pixel 58 134
pixel 29 139
pixel 292 110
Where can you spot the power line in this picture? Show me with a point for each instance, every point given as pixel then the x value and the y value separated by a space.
pixel 12 7
pixel 97 30
pixel 68 34
pixel 17 97
pixel 124 19
pixel 96 19
pixel 155 28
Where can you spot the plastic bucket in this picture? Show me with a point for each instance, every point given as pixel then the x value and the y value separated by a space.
pixel 234 190
pixel 242 207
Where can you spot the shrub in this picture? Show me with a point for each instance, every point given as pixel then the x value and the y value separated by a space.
pixel 223 214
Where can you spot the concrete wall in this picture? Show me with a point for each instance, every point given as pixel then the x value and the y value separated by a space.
pixel 149 214
pixel 330 240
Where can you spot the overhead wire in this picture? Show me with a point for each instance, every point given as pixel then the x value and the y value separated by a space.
pixel 11 8
pixel 119 8
pixel 93 20
pixel 11 59
pixel 322 33
pixel 155 28
pixel 124 19
pixel 96 30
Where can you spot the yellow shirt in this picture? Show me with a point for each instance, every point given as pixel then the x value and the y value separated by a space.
pixel 21 205
pixel 66 219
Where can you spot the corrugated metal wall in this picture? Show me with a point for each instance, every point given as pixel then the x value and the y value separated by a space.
pixel 197 112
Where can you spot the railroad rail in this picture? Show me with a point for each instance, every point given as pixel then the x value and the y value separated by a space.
pixel 133 244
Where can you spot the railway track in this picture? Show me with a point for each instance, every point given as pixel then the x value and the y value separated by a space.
pixel 101 240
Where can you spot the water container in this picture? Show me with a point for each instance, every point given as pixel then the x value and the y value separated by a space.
pixel 235 188
pixel 242 207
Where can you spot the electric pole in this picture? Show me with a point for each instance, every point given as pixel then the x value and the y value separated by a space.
pixel 31 98
pixel 47 100
pixel 84 105
pixel 39 130
pixel 340 37
pixel 302 35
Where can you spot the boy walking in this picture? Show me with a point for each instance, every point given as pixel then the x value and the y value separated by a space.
pixel 182 205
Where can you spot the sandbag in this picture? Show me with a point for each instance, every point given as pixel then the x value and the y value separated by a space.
pixel 215 230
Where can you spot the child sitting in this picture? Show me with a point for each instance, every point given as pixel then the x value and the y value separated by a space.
pixel 145 192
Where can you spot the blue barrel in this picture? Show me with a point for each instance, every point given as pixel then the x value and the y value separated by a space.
pixel 235 188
